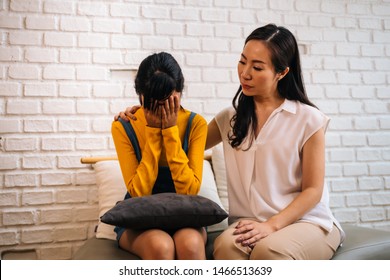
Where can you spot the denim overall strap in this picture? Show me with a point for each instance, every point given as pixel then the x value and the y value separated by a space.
pixel 133 137
pixel 187 134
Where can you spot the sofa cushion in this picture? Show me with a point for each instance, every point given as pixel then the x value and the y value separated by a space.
pixel 168 211
pixel 209 189
pixel 218 161
pixel 102 249
pixel 111 189
pixel 363 243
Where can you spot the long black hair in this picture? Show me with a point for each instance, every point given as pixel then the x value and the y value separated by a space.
pixel 284 53
pixel 157 76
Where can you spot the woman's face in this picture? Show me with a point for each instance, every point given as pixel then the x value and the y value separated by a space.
pixel 255 70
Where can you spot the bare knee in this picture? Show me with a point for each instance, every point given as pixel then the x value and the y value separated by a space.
pixel 190 244
pixel 148 245
pixel 163 249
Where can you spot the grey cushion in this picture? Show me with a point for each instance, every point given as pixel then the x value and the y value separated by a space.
pixel 168 211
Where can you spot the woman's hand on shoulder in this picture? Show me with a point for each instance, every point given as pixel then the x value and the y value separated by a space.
pixel 128 113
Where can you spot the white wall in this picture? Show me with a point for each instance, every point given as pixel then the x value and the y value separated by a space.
pixel 66 68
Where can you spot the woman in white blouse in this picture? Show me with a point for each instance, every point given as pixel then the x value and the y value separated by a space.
pixel 274 147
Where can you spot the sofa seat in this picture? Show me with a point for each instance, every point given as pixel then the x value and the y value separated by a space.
pixel 361 244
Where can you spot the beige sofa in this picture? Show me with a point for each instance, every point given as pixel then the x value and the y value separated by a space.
pixel 361 243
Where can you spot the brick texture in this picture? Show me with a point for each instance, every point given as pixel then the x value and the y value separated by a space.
pixel 66 68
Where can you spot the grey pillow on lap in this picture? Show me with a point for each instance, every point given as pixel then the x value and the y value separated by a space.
pixel 167 211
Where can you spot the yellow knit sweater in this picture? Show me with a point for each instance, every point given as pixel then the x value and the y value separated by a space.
pixel 161 147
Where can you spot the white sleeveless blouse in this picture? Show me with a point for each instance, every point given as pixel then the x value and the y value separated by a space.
pixel 263 180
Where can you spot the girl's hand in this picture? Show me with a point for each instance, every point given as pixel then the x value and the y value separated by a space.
pixel 162 115
pixel 153 115
pixel 128 113
pixel 169 111
pixel 249 232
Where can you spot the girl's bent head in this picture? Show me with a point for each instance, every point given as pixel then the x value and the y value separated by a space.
pixel 158 76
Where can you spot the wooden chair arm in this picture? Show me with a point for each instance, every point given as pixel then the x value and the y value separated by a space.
pixel 93 160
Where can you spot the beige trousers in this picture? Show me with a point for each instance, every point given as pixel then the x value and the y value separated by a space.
pixel 299 241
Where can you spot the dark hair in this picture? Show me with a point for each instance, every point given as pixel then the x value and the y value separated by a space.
pixel 157 76
pixel 284 53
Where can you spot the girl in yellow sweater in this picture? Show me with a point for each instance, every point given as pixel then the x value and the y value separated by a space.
pixel 168 157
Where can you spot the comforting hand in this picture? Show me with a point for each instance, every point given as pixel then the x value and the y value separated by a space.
pixel 249 232
pixel 128 113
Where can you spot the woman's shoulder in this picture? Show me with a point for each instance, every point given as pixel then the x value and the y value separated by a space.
pixel 308 110
pixel 312 116
pixel 227 112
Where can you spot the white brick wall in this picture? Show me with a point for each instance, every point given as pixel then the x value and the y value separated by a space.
pixel 66 67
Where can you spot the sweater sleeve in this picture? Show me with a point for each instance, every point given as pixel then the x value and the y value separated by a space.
pixel 139 177
pixel 186 169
